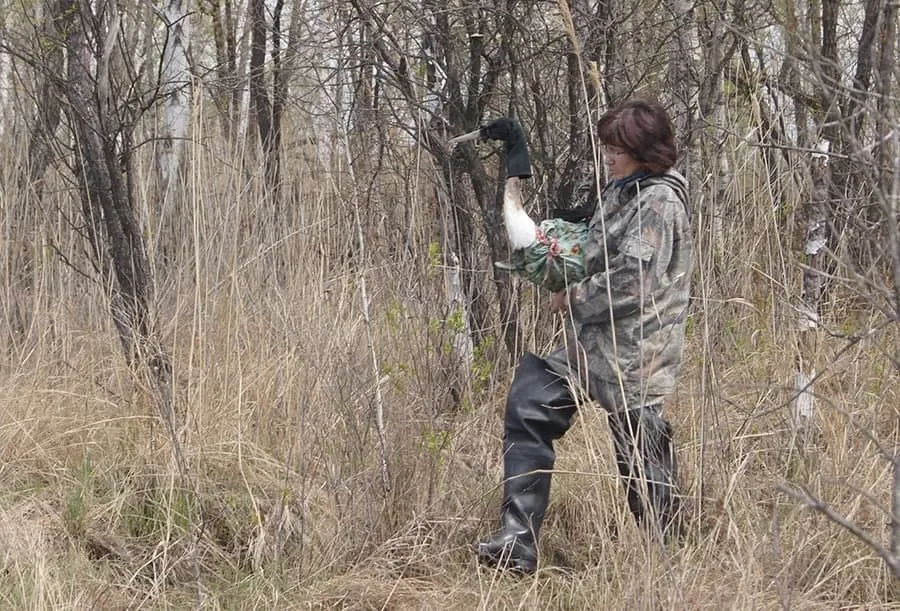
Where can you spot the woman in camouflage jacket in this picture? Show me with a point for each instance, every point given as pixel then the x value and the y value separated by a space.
pixel 625 336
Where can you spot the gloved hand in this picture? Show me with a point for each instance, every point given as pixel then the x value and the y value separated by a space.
pixel 509 130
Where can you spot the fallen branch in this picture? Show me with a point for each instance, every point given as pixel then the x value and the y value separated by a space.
pixel 891 556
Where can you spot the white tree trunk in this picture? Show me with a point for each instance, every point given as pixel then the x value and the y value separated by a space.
pixel 808 321
pixel 724 178
pixel 463 347
pixel 243 78
pixel 176 87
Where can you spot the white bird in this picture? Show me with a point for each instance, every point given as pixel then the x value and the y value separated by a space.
pixel 550 254
pixel 520 229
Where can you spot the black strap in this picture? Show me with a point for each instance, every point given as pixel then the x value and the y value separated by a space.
pixel 676 185
pixel 584 213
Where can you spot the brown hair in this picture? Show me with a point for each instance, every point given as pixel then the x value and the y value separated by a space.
pixel 642 128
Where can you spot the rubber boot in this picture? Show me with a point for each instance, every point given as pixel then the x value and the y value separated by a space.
pixel 539 410
pixel 515 545
pixel 646 460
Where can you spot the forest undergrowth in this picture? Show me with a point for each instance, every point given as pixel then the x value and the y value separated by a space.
pixel 283 503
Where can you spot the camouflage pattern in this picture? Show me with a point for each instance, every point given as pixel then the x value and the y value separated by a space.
pixel 628 315
pixel 556 259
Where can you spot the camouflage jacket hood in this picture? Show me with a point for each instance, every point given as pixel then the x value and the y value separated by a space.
pixel 628 315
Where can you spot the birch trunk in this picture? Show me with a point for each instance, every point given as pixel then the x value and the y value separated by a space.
pixel 457 303
pixel 711 110
pixel 808 321
pixel 176 120
pixel 463 346
pixel 176 87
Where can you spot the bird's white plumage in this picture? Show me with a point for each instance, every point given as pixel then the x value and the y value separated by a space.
pixel 520 229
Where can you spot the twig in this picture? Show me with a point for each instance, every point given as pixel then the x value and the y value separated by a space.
pixel 895 515
pixel 890 557
pixel 364 296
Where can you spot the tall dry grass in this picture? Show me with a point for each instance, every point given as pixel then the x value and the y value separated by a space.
pixel 284 505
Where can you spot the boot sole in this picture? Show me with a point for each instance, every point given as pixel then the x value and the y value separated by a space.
pixel 505 562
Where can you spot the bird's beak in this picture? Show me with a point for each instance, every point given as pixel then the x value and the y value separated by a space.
pixel 464 138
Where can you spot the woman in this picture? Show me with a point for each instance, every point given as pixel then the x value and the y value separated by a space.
pixel 625 338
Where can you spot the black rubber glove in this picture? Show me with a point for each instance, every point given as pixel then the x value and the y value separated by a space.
pixel 509 130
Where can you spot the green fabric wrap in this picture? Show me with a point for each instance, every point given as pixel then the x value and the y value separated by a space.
pixel 556 259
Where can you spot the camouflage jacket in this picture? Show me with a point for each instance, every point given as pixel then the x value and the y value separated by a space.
pixel 628 314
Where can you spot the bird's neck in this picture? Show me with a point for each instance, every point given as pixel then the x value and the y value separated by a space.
pixel 520 229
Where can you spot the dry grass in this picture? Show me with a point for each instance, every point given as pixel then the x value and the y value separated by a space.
pixel 284 506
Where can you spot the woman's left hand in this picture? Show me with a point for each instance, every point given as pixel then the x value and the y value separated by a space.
pixel 559 303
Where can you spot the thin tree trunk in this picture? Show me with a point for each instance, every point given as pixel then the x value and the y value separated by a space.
pixel 895 517
pixel 570 177
pixel 808 322
pixel 176 87
pixel 683 82
pixel 279 95
pixel 42 137
pixel 176 104
pixel 115 235
pixel 862 78
pixel 226 90
pixel 263 108
pixel 378 399
pixel 458 310
pixel 884 121
pixel 105 192
pixel 41 140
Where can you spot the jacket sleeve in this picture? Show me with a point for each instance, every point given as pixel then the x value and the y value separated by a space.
pixel 637 260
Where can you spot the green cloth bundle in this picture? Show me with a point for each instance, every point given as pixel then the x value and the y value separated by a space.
pixel 556 259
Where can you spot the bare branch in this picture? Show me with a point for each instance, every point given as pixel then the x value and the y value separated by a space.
pixel 895 511
pixel 816 504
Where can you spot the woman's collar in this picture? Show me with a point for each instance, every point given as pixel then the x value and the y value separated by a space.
pixel 622 182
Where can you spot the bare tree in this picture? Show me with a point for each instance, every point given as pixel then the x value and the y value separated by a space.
pixel 834 147
pixel 889 553
pixel 810 299
pixel 42 144
pixel 267 111
pixel 228 86
pixel 474 62
pixel 844 140
pixel 102 135
pixel 89 79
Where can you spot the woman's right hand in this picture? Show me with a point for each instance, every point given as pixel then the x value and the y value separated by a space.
pixel 559 303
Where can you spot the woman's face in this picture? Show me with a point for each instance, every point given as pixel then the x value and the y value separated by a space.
pixel 619 162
